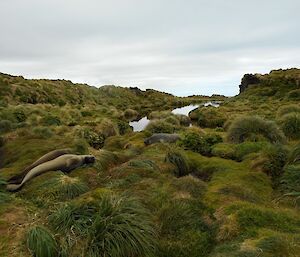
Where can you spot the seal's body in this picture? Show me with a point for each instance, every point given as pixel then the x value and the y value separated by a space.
pixel 161 137
pixel 65 163
pixel 17 179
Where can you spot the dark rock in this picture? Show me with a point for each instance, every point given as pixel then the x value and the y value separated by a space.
pixel 248 79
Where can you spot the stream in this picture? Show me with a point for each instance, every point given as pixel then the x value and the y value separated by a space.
pixel 141 124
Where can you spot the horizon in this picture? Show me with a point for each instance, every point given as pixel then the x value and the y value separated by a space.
pixel 199 47
pixel 132 86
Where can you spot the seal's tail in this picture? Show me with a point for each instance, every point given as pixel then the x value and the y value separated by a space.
pixel 13 187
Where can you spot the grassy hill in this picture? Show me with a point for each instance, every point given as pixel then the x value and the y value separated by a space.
pixel 228 188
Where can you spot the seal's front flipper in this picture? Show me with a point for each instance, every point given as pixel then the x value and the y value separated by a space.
pixel 72 164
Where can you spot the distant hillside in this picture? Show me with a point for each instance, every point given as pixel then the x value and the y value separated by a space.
pixel 276 84
pixel 18 90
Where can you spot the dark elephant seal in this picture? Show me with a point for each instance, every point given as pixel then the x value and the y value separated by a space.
pixel 65 163
pixel 17 179
pixel 162 137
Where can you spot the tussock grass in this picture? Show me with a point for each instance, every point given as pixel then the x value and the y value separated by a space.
pixel 4 197
pixel 110 226
pixel 63 187
pixel 179 160
pixel 294 155
pixel 288 109
pixel 105 159
pixel 290 181
pixel 182 230
pixel 195 187
pixel 290 125
pixel 254 128
pixel 41 242
pixel 160 126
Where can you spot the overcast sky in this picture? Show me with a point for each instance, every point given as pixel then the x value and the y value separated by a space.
pixel 182 47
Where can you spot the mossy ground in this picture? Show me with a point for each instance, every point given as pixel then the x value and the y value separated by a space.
pixel 227 205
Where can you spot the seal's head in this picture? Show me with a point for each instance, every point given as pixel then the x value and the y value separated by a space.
pixel 89 159
pixel 147 141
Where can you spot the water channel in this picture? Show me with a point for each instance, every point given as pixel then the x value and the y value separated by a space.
pixel 143 122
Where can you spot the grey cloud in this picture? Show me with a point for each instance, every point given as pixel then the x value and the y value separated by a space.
pixel 182 47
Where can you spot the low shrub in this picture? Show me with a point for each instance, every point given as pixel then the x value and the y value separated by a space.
pixel 5 126
pixel 19 115
pixel 245 148
pixel 50 120
pixel 124 127
pixel 94 140
pixel 253 128
pixel 172 120
pixel 276 157
pixel 41 242
pixel 42 132
pixel 178 159
pixel 107 128
pixel 183 120
pixel 159 126
pixel 223 150
pixel 80 146
pixel 200 143
pixel 130 113
pixel 159 115
pixel 290 125
pixel 208 117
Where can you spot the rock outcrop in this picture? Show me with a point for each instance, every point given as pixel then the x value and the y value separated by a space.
pixel 248 79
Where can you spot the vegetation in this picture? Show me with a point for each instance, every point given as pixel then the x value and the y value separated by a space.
pixel 290 125
pixel 110 226
pixel 254 128
pixel 200 143
pixel 41 243
pixel 180 162
pixel 228 188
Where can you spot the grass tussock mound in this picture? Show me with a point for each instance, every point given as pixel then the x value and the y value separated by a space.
pixel 179 161
pixel 63 187
pixel 254 128
pixel 290 125
pixel 41 242
pixel 109 226
pixel 160 126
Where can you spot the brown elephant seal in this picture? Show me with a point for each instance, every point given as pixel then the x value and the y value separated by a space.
pixel 162 137
pixel 17 179
pixel 65 163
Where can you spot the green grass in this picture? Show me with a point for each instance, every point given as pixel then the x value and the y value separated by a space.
pixel 178 159
pixel 226 206
pixel 111 226
pixel 254 128
pixel 41 242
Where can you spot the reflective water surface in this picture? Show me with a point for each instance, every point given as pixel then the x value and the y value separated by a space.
pixel 143 122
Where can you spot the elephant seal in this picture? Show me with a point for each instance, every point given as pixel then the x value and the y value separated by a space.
pixel 161 137
pixel 17 179
pixel 65 163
